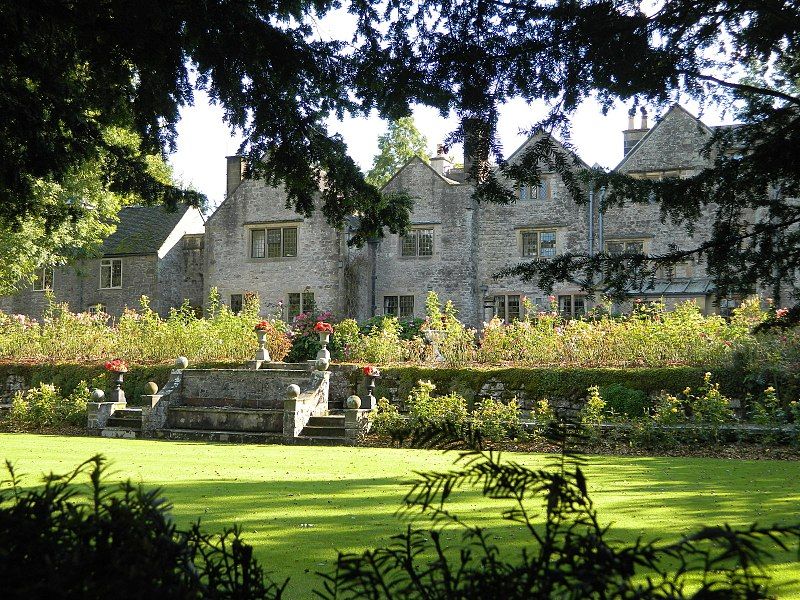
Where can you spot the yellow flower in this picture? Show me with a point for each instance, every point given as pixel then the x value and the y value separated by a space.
pixel 674 409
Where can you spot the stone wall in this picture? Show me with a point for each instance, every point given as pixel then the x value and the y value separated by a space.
pixel 318 266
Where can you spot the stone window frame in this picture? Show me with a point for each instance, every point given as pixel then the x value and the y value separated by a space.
pixel 306 302
pixel 108 264
pixel 529 193
pixel 626 241
pixel 41 275
pixel 503 303
pixel 266 229
pixel 404 245
pixel 572 312
pixel 398 305
pixel 538 231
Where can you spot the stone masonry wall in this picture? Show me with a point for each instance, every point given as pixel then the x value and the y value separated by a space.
pixel 317 267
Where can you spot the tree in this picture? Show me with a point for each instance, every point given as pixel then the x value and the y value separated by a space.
pixel 71 70
pixel 471 56
pixel 396 147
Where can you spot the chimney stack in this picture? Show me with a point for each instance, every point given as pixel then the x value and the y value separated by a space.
pixel 440 162
pixel 235 173
pixel 631 135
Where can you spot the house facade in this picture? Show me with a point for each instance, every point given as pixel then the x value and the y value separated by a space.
pixel 455 246
pixel 153 252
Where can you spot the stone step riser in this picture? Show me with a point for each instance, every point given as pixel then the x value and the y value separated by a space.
pixel 264 388
pixel 322 441
pixel 255 403
pixel 128 413
pixel 328 421
pixel 233 437
pixel 225 420
pixel 312 431
pixel 122 422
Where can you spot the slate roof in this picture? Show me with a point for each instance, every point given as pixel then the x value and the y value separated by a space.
pixel 142 230
pixel 676 287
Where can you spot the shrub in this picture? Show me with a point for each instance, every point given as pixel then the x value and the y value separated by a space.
pixel 497 421
pixel 65 540
pixel 768 410
pixel 710 406
pixel 622 400
pixel 305 339
pixel 43 406
pixel 427 411
pixel 388 421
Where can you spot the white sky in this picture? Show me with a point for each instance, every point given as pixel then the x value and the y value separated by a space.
pixel 204 140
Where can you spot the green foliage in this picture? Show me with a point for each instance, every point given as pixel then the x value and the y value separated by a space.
pixel 101 541
pixel 570 553
pixel 380 343
pixel 139 336
pixel 388 421
pixel 622 400
pixel 44 406
pixel 768 410
pixel 396 147
pixel 427 411
pixel 497 421
pixel 593 412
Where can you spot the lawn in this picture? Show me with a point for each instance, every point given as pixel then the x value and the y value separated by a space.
pixel 297 505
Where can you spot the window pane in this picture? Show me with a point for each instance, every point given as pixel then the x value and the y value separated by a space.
pixel 105 274
pixel 500 307
pixel 236 303
pixel 406 306
pixel 390 305
pixel 408 244
pixel 614 248
pixel 565 305
pixel 543 189
pixel 273 243
pixel 513 308
pixel 529 244
pixel 308 301
pixel 294 306
pixel 579 306
pixel 425 242
pixel 547 243
pixel 257 243
pixel 116 273
pixel 290 241
pixel 636 247
pixel 48 279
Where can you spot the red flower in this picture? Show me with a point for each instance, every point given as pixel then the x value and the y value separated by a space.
pixel 262 326
pixel 323 327
pixel 371 371
pixel 116 366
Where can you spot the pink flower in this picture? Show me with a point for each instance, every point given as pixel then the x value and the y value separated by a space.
pixel 781 312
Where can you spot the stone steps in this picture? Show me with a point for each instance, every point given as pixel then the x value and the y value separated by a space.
pixel 327 427
pixel 217 418
pixel 222 436
pixel 305 440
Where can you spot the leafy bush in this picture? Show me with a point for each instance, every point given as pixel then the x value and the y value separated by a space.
pixel 388 421
pixel 65 540
pixel 427 411
pixel 768 410
pixel 622 400
pixel 497 421
pixel 709 406
pixel 43 406
pixel 305 339
pixel 570 553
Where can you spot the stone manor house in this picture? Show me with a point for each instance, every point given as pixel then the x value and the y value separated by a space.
pixel 253 244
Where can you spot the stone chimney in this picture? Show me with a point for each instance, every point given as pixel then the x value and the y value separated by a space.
pixel 476 148
pixel 236 165
pixel 631 135
pixel 440 163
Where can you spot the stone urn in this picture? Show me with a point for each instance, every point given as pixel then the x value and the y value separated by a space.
pixel 432 337
pixel 324 340
pixel 116 370
pixel 262 353
pixel 371 375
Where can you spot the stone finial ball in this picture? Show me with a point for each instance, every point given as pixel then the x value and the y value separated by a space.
pixel 322 364
pixel 150 388
pixel 181 362
pixel 97 395
pixel 292 391
pixel 352 402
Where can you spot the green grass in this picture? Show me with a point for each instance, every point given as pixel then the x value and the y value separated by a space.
pixel 298 505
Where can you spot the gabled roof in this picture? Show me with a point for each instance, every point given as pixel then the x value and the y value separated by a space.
pixel 674 110
pixel 142 230
pixel 411 161
pixel 530 139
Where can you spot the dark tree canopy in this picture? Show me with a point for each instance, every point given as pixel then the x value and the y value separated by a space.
pixel 71 69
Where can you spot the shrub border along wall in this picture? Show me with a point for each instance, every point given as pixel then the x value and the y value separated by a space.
pixel 67 376
pixel 557 384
